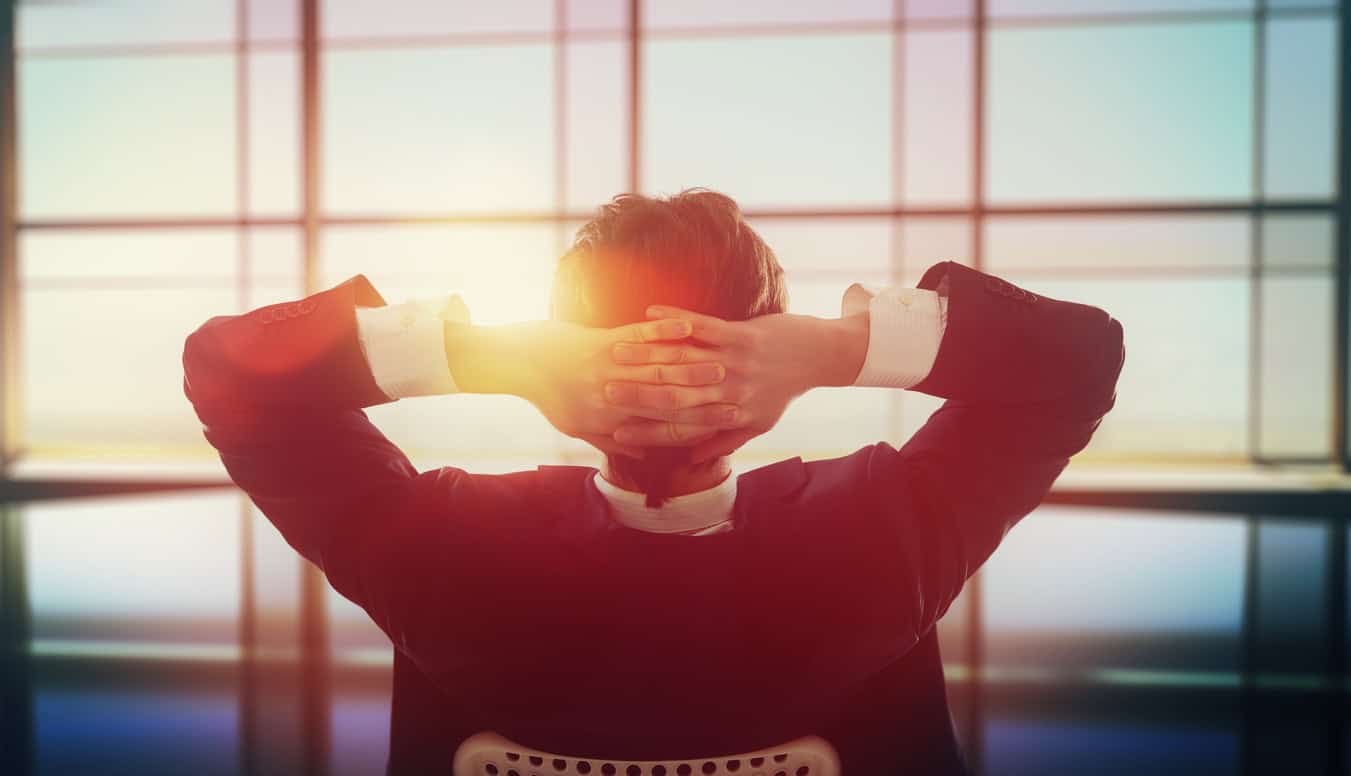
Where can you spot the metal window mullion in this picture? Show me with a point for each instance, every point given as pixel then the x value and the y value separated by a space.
pixel 315 681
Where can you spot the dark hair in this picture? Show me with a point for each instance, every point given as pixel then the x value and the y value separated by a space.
pixel 692 250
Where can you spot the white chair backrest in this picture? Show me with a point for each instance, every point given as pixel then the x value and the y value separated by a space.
pixel 488 754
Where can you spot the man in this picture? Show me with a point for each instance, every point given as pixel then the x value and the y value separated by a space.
pixel 661 608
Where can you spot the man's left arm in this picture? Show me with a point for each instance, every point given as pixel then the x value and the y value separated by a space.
pixel 280 392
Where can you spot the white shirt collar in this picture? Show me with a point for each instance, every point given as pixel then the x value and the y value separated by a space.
pixel 698 514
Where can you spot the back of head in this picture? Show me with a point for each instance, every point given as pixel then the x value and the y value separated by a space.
pixel 692 250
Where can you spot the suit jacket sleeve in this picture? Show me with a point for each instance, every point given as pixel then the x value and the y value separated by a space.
pixel 280 392
pixel 1026 380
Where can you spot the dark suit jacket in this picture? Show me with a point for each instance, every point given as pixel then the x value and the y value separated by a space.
pixel 516 604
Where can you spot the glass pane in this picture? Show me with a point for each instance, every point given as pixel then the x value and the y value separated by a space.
pixel 271 20
pixel 360 724
pixel 1096 735
pixel 274 133
pixel 1140 590
pixel 135 570
pixel 421 130
pixel 159 731
pixel 1291 608
pixel 1296 369
pixel 139 408
pixel 1183 390
pixel 936 116
pixel 839 251
pixel 124 23
pixel 416 18
pixel 1071 7
pixel 825 423
pixel 822 102
pixel 598 118
pixel 274 265
pixel 1301 108
pixel 937 9
pixel 597 15
pixel 276 586
pixel 715 13
pixel 127 136
pixel 925 241
pixel 1297 240
pixel 1118 242
pixel 1069 118
pixel 354 636
pixel 86 257
pixel 504 274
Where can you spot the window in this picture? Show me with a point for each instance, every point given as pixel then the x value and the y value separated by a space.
pixel 1174 161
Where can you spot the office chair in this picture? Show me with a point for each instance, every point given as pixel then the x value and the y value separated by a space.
pixel 488 754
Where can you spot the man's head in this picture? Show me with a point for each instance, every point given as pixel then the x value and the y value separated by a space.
pixel 692 250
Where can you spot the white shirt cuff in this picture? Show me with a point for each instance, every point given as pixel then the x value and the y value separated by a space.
pixel 905 328
pixel 405 345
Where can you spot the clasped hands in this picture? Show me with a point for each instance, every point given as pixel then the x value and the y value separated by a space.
pixel 677 379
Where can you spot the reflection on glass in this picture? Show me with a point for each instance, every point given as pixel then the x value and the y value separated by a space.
pixel 1184 386
pixel 421 130
pixel 659 14
pixel 936 116
pixel 1296 366
pixel 360 728
pixel 597 123
pixel 156 732
pixel 171 121
pixel 274 133
pixel 1291 611
pixel 1065 739
pixel 1145 112
pixel 144 569
pixel 1300 110
pixel 1297 240
pixel 1072 589
pixel 416 18
pixel 124 23
pixel 821 101
pixel 1118 242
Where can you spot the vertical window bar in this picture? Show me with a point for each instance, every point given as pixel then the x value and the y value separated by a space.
pixel 1256 225
pixel 975 639
pixel 316 691
pixel 10 419
pixel 635 94
pixel 1248 642
pixel 1337 560
pixel 16 691
pixel 895 229
pixel 248 668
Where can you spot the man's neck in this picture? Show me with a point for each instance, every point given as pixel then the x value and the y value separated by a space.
pixel 684 481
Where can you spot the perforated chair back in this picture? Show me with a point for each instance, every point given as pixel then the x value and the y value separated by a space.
pixel 488 754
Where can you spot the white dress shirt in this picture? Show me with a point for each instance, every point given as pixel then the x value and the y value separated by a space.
pixel 405 348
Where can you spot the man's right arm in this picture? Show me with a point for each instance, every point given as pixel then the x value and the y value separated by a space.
pixel 1027 380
